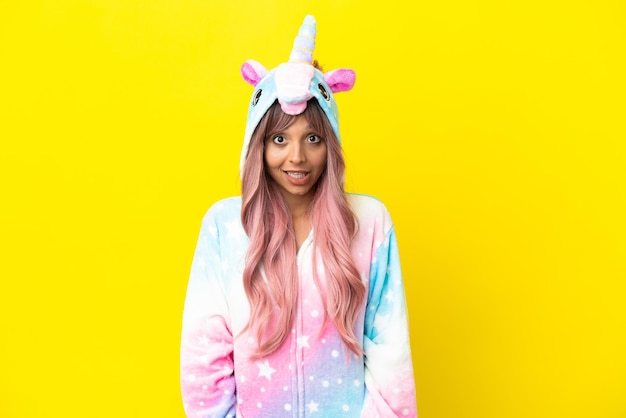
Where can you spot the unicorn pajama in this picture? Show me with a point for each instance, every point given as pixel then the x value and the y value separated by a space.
pixel 312 373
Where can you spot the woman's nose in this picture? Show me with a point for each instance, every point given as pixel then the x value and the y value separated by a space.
pixel 296 153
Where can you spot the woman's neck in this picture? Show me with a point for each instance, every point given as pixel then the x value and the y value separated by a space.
pixel 299 210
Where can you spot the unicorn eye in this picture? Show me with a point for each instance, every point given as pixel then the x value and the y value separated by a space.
pixel 324 92
pixel 257 96
pixel 279 139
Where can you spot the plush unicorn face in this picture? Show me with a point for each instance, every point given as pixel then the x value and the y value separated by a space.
pixel 293 84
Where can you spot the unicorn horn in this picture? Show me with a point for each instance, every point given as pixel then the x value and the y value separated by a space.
pixel 304 44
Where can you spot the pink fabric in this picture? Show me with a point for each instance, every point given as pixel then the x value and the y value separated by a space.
pixel 340 80
pixel 253 72
pixel 309 373
pixel 293 82
pixel 292 109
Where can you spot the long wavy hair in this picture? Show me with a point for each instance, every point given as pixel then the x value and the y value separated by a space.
pixel 272 252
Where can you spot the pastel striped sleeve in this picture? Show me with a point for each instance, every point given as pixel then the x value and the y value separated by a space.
pixel 206 354
pixel 389 380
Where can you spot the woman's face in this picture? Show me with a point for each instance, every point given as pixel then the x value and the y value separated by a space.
pixel 295 159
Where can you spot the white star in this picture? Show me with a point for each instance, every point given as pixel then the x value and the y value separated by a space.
pixel 381 321
pixel 303 341
pixel 227 370
pixel 265 370
pixel 389 296
pixel 232 228
pixel 312 407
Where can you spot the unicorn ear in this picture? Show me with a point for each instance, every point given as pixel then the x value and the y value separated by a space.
pixel 340 80
pixel 253 72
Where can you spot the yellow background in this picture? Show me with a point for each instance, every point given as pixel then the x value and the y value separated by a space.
pixel 494 131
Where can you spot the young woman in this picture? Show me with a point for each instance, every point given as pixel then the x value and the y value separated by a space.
pixel 295 305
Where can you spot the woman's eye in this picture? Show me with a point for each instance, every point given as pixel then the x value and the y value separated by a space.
pixel 279 139
pixel 314 139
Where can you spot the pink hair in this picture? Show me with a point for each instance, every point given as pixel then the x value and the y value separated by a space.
pixel 266 220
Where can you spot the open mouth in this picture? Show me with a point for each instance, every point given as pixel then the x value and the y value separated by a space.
pixel 297 174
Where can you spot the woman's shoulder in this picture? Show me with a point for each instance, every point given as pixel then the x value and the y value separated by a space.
pixel 227 203
pixel 364 202
pixel 368 208
pixel 224 210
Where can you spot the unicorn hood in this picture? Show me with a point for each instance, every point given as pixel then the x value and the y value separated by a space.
pixel 294 83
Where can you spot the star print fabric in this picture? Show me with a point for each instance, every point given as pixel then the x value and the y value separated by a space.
pixel 312 373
